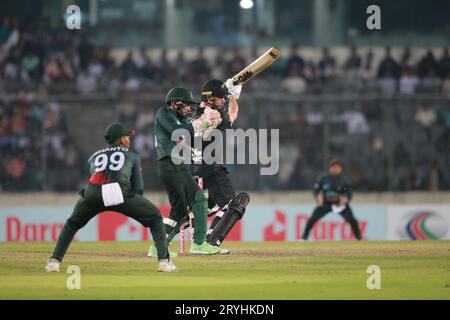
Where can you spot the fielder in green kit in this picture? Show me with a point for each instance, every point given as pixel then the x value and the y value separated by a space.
pixel 184 193
pixel 115 185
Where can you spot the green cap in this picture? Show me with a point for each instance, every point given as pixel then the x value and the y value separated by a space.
pixel 180 94
pixel 116 131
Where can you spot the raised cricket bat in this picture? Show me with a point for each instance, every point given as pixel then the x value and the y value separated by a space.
pixel 257 66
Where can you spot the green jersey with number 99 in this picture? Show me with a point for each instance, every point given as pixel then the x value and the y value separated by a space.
pixel 117 164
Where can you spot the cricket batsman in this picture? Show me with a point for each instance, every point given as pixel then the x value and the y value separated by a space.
pixel 333 193
pixel 227 206
pixel 115 184
pixel 184 193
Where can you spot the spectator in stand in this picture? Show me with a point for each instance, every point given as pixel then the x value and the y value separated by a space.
pixel 435 176
pixel 356 121
pixel 327 66
pixel 141 58
pixel 127 67
pixel 444 64
pixel 95 68
pixel 31 65
pixel 199 68
pixel 442 143
pixel 419 178
pixel 11 27
pixel 446 116
pixel 234 64
pixel 2 76
pixel 387 83
pixel 294 59
pixel 353 62
pixel 144 144
pixel 104 58
pixel 5 30
pixel 368 69
pixel 58 70
pixel 163 64
pixel 426 118
pixel 181 66
pixel 408 81
pixel 145 119
pixel 446 84
pixel 217 70
pixel 388 66
pixel 405 60
pixel 12 64
pixel 352 66
pixel 85 82
pixel 15 173
pixel 85 51
pixel 427 63
pixel 401 156
pixel 431 83
pixel 294 83
pixel 309 72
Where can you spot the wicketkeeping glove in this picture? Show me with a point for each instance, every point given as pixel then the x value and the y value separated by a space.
pixel 209 120
pixel 235 91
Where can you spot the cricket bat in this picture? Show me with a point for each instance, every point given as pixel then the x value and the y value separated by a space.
pixel 257 66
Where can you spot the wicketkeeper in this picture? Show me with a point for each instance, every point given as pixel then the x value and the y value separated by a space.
pixel 333 193
pixel 115 184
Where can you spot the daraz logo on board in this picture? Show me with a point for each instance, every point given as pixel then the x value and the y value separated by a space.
pixel 323 230
pixel 328 230
pixel 17 230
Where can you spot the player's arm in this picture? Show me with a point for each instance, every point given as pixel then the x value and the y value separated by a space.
pixel 169 122
pixel 318 195
pixel 137 182
pixel 233 109
pixel 348 193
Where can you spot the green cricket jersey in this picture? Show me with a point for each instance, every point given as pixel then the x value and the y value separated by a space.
pixel 117 164
pixel 166 121
pixel 333 187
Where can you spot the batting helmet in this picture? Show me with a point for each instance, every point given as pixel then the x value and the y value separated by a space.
pixel 214 88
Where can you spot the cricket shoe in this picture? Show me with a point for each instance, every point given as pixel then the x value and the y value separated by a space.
pixel 52 266
pixel 167 266
pixel 153 252
pixel 204 248
pixel 223 251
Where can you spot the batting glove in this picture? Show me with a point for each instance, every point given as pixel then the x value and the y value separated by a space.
pixel 235 91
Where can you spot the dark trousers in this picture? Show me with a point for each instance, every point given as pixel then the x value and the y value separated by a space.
pixel 91 203
pixel 320 211
pixel 220 190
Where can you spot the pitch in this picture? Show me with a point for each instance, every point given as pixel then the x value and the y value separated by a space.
pixel 266 270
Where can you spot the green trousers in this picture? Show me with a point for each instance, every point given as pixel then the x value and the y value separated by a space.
pixel 91 203
pixel 184 195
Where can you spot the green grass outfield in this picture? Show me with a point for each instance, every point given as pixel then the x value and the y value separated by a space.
pixel 266 270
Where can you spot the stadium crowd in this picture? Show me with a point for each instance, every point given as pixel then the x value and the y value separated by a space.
pixel 49 56
pixel 41 61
